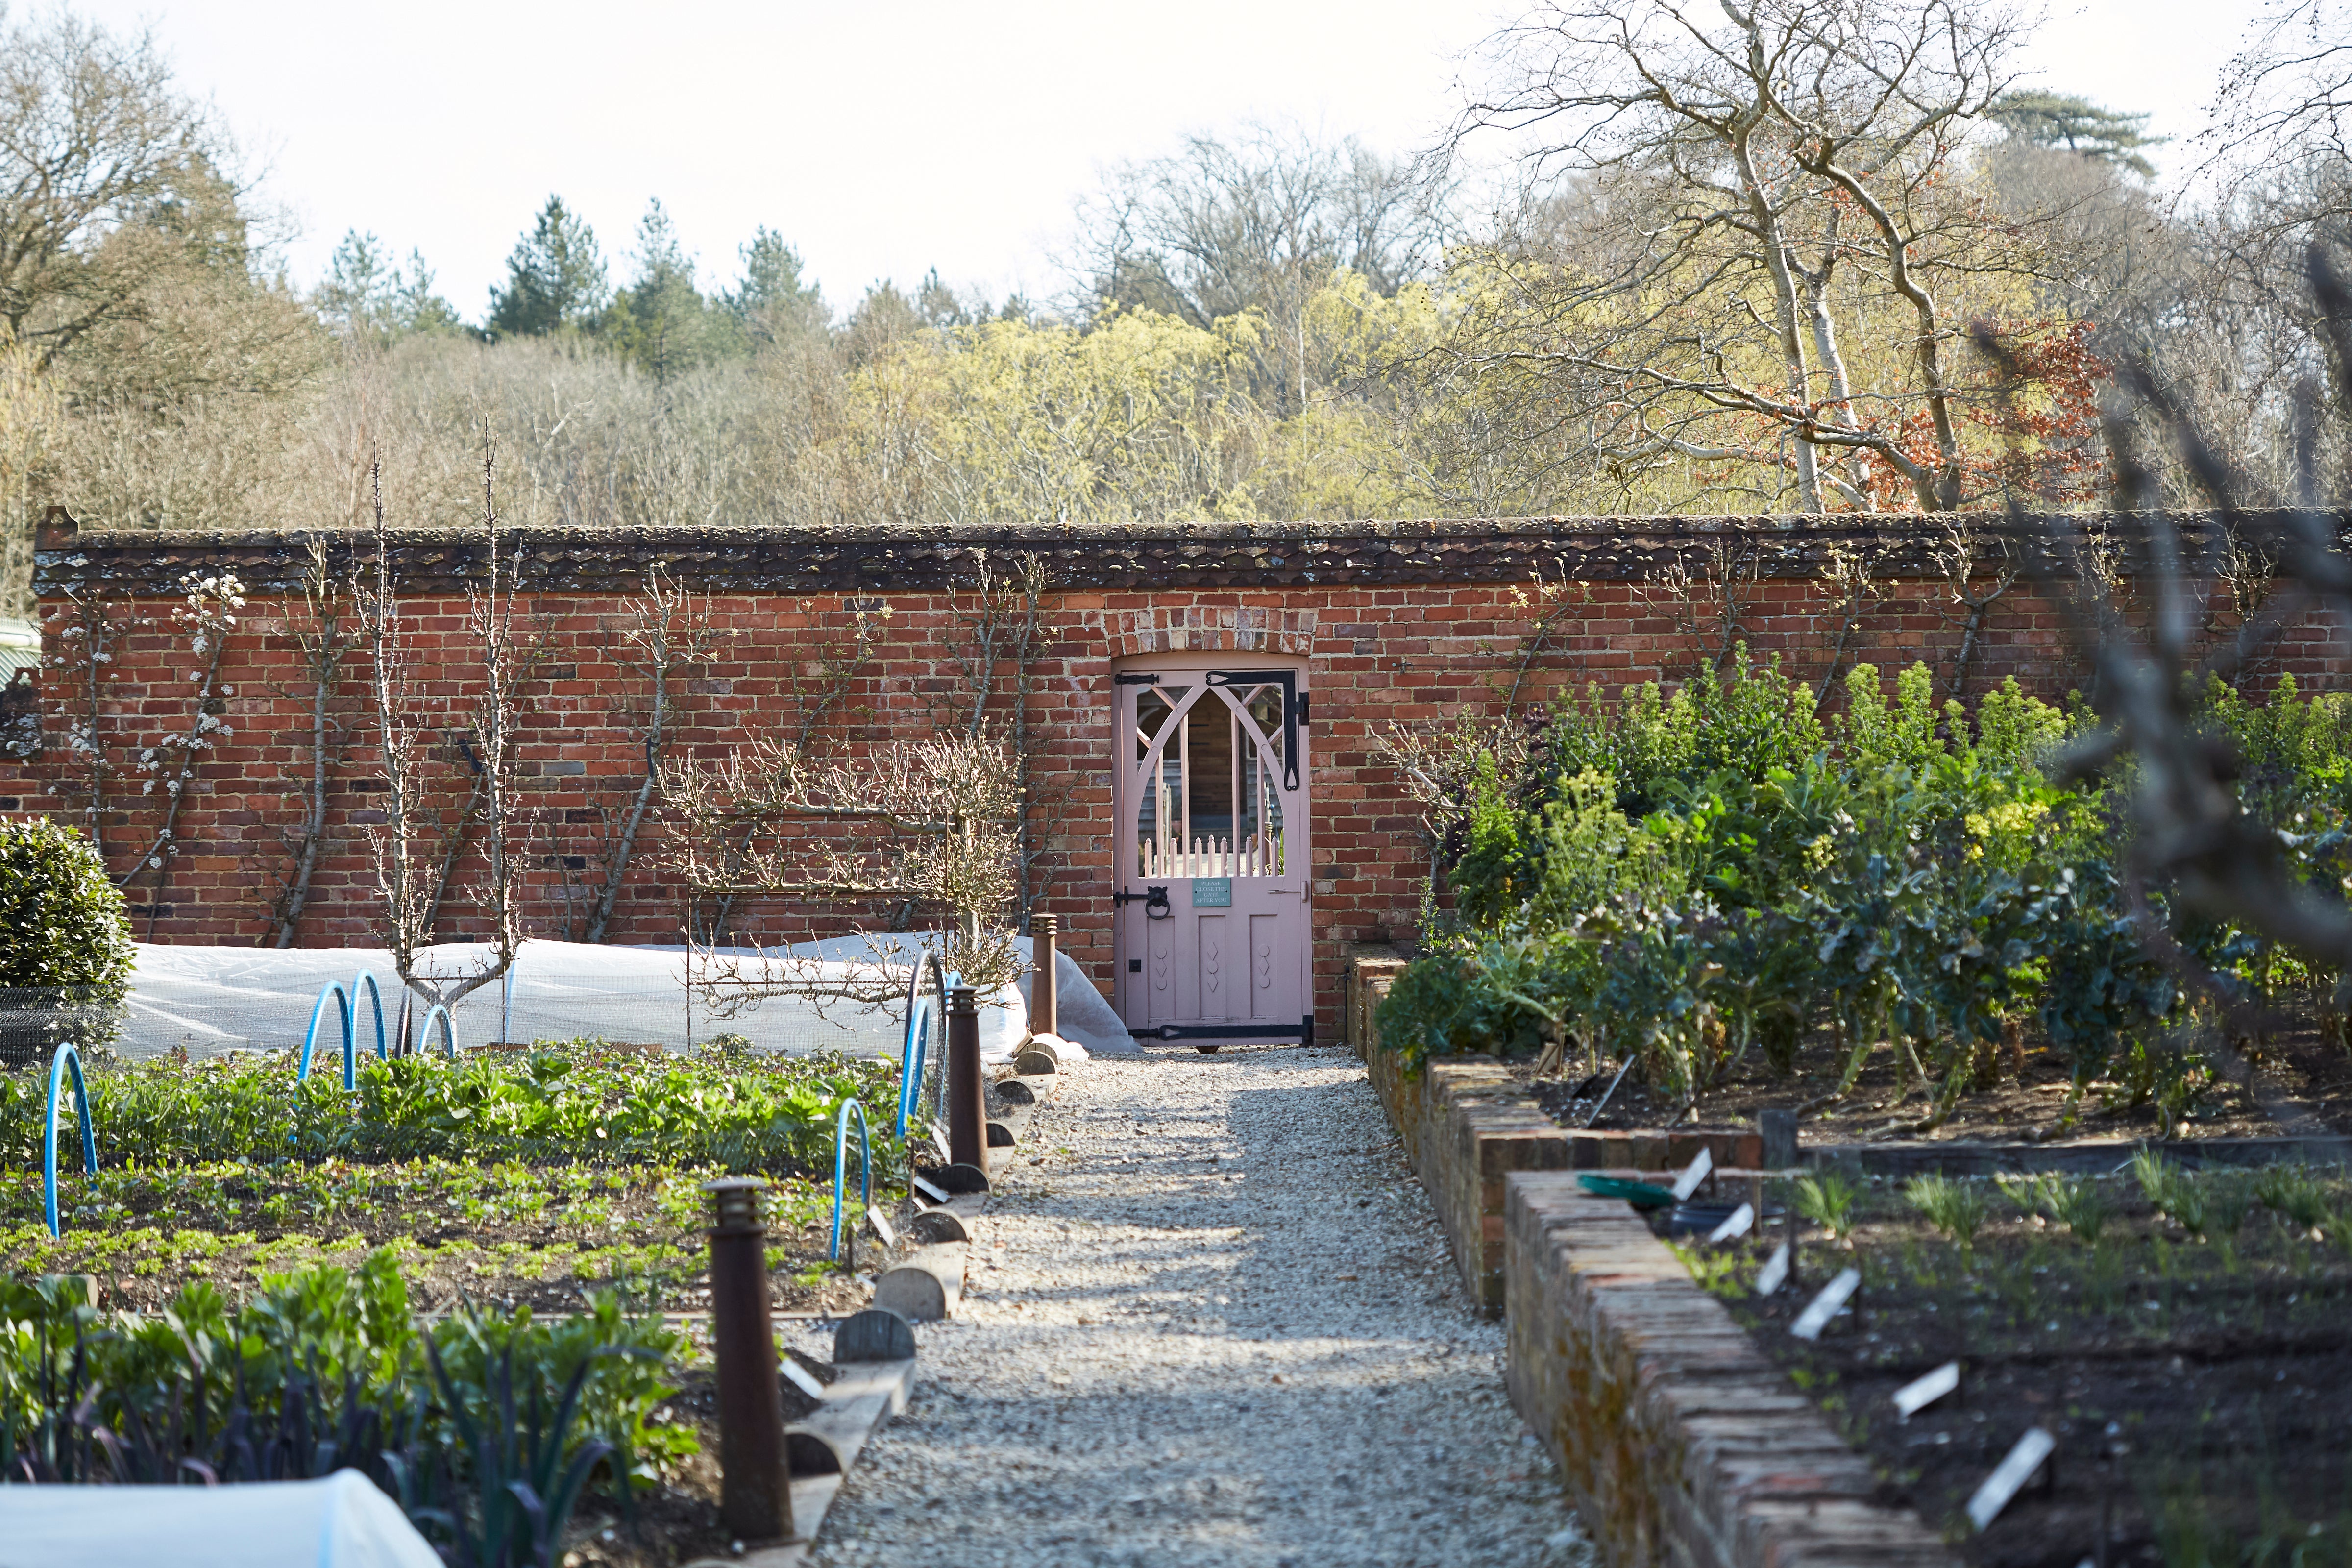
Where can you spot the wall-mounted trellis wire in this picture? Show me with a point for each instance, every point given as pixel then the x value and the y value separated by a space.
pixel 68 1059
pixel 926 1011
pixel 841 1166
pixel 344 1007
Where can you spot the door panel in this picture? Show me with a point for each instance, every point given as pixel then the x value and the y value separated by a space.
pixel 1211 946
pixel 1210 798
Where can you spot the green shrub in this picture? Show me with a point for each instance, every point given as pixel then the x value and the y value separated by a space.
pixel 2291 1193
pixel 1682 876
pixel 1494 874
pixel 61 917
pixel 1743 720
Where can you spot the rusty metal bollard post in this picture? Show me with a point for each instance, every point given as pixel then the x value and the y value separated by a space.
pixel 755 1488
pixel 967 1099
pixel 1045 1011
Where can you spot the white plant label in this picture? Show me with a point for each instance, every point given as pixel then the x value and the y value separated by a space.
pixel 1921 1391
pixel 1693 1174
pixel 1775 1272
pixel 1823 1307
pixel 1735 1224
pixel 929 1191
pixel 941 1144
pixel 881 1224
pixel 2009 1476
pixel 800 1377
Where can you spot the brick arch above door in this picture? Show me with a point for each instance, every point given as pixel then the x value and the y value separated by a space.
pixel 1209 628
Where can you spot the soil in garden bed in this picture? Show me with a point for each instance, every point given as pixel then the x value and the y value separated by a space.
pixel 509 1235
pixel 679 1520
pixel 2195 1384
pixel 2309 1067
pixel 2028 1102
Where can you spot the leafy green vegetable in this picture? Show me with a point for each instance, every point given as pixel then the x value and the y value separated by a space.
pixel 560 1103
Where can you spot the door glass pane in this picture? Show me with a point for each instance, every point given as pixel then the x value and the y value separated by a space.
pixel 1209 764
pixel 1259 776
pixel 1160 813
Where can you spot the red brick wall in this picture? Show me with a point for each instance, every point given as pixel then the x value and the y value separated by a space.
pixel 1406 654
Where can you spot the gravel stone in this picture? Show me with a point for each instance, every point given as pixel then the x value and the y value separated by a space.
pixel 1163 1358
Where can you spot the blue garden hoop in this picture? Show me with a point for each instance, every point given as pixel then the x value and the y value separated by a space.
pixel 841 1167
pixel 924 1009
pixel 366 978
pixel 345 1006
pixel 311 1037
pixel 449 1031
pixel 67 1057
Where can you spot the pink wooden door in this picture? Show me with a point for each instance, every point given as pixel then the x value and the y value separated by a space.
pixel 1209 796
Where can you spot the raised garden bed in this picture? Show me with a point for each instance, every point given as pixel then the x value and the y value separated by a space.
pixel 2032 1099
pixel 2186 1339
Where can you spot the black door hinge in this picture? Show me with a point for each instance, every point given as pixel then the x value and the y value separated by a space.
pixel 1293 710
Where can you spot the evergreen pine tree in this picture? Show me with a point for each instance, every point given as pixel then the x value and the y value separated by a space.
pixel 2061 119
pixel 660 320
pixel 555 278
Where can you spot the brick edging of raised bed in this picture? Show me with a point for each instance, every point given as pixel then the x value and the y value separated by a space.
pixel 1678 1441
pixel 1466 1124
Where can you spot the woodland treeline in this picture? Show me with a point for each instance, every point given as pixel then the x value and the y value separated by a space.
pixel 1694 259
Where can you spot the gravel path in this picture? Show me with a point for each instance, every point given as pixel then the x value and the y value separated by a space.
pixel 1213 1323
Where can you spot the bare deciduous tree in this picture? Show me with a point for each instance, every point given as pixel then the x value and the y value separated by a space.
pixel 2189 831
pixel 206 616
pixel 1257 223
pixel 933 822
pixel 410 897
pixel 326 640
pixel 2286 98
pixel 669 633
pixel 1748 229
pixel 97 144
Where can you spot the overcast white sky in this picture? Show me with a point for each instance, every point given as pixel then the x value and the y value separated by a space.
pixel 880 140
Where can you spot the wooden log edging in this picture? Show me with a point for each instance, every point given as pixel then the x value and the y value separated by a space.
pixel 857 1405
pixel 1677 1440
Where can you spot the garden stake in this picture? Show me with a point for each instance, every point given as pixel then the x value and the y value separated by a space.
pixel 1613 1089
pixel 967 1107
pixel 1045 1012
pixel 755 1489
pixel 1789 1218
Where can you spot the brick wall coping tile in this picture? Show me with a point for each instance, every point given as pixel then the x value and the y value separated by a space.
pixel 1172 555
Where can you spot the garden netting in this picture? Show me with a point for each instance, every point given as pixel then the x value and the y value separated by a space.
pixel 208 1000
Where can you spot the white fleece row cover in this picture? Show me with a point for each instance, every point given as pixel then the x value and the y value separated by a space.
pixel 207 1000
pixel 341 1521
